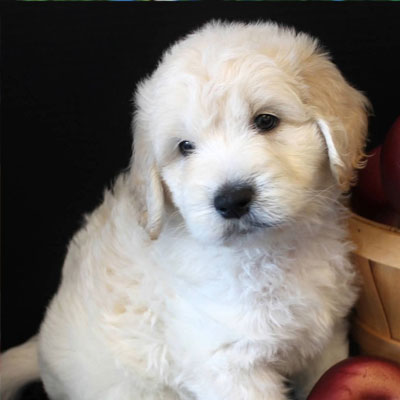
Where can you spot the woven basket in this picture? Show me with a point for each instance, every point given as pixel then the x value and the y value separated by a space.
pixel 376 324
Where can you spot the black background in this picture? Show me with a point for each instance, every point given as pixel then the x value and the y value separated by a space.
pixel 68 73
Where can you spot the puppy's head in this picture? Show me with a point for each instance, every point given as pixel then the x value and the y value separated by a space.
pixel 246 127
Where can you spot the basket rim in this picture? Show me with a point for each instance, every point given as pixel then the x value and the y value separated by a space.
pixel 374 241
pixel 374 223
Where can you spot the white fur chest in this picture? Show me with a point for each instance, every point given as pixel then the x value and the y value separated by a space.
pixel 258 302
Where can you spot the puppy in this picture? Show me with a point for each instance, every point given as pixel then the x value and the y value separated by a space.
pixel 217 267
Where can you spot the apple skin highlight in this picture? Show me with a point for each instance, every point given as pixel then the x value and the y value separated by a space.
pixel 359 378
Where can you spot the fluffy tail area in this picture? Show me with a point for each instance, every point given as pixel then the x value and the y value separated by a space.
pixel 19 366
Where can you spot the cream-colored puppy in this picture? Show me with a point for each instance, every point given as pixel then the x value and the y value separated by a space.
pixel 217 268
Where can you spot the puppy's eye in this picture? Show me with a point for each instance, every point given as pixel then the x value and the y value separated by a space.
pixel 186 147
pixel 266 122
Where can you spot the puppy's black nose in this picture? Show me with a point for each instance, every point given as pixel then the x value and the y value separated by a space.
pixel 233 201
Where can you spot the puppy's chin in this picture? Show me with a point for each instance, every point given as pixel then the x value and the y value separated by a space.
pixel 238 228
pixel 220 231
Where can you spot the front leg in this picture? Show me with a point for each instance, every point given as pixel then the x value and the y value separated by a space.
pixel 337 349
pixel 256 383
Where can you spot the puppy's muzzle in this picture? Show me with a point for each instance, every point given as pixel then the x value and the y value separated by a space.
pixel 233 201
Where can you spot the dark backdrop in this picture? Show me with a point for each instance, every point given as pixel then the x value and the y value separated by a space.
pixel 68 72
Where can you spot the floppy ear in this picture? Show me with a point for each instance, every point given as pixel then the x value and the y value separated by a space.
pixel 341 113
pixel 144 172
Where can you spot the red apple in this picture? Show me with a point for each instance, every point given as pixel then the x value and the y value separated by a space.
pixel 359 378
pixel 368 196
pixel 390 165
